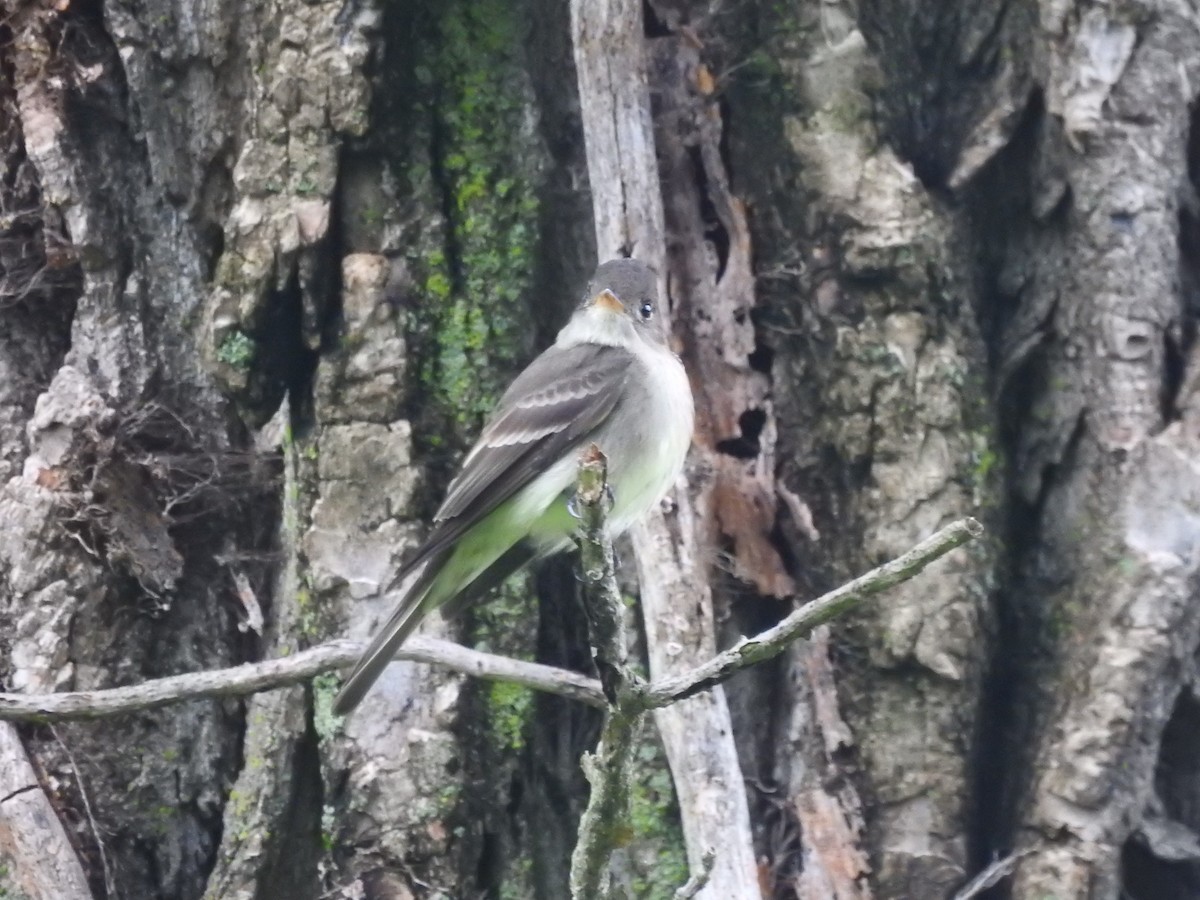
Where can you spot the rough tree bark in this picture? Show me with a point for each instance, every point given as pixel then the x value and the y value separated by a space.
pixel 263 266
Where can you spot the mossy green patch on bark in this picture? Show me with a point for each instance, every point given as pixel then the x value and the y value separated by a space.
pixel 469 324
pixel 509 708
pixel 503 625
pixel 462 151
pixel 325 721
pixel 237 349
pixel 659 857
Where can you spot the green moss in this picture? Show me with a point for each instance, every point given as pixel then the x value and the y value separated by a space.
pixel 8 890
pixel 328 824
pixel 518 880
pixel 660 864
pixel 475 280
pixel 984 463
pixel 237 349
pixel 307 611
pixel 509 708
pixel 504 625
pixel 325 721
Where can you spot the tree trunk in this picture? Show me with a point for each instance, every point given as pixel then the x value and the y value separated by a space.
pixel 265 267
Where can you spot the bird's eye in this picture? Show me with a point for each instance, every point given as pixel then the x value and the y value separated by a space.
pixel 646 310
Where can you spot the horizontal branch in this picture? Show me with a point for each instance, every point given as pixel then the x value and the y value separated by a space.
pixel 251 678
pixel 800 623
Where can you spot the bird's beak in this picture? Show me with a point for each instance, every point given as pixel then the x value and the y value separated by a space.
pixel 608 301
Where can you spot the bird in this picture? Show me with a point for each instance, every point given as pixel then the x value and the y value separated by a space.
pixel 609 379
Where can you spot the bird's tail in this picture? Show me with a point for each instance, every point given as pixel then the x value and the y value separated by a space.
pixel 425 593
pixel 403 621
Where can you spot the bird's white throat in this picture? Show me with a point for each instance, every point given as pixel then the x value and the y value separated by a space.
pixel 593 325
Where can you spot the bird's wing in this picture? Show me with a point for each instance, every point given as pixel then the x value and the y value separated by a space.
pixel 562 396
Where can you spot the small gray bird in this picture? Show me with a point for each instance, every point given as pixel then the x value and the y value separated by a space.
pixel 608 379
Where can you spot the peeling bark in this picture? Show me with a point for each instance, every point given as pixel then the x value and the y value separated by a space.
pixel 39 860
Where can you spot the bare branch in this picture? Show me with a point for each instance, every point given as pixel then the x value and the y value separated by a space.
pixel 991 875
pixel 800 623
pixel 603 827
pixel 110 884
pixel 276 673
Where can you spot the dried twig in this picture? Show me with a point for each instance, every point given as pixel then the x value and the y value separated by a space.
pixel 773 641
pixel 251 678
pixel 110 883
pixel 991 875
pixel 277 673
pixel 604 823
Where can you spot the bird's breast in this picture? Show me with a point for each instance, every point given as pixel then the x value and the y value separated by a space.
pixel 646 439
pixel 651 434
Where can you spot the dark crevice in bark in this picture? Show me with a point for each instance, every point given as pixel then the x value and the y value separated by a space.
pixel 745 445
pixel 215 197
pixel 285 364
pixel 1002 762
pixel 714 229
pixel 725 111
pixel 1165 867
pixel 490 865
pixel 1180 336
pixel 996 200
pixel 654 25
pixel 292 867
pixel 992 806
pixel 998 204
pixel 761 358
pixel 760 701
pixel 554 790
pixel 1176 344
pixel 777 837
pixel 1145 877
pixel 932 93
pixel 301 321
pixel 327 259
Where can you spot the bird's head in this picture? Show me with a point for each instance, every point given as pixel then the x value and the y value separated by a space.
pixel 621 303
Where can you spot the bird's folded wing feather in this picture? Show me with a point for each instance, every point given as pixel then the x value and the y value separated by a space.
pixel 554 405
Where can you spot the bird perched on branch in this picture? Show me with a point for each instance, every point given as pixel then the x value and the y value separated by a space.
pixel 610 379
